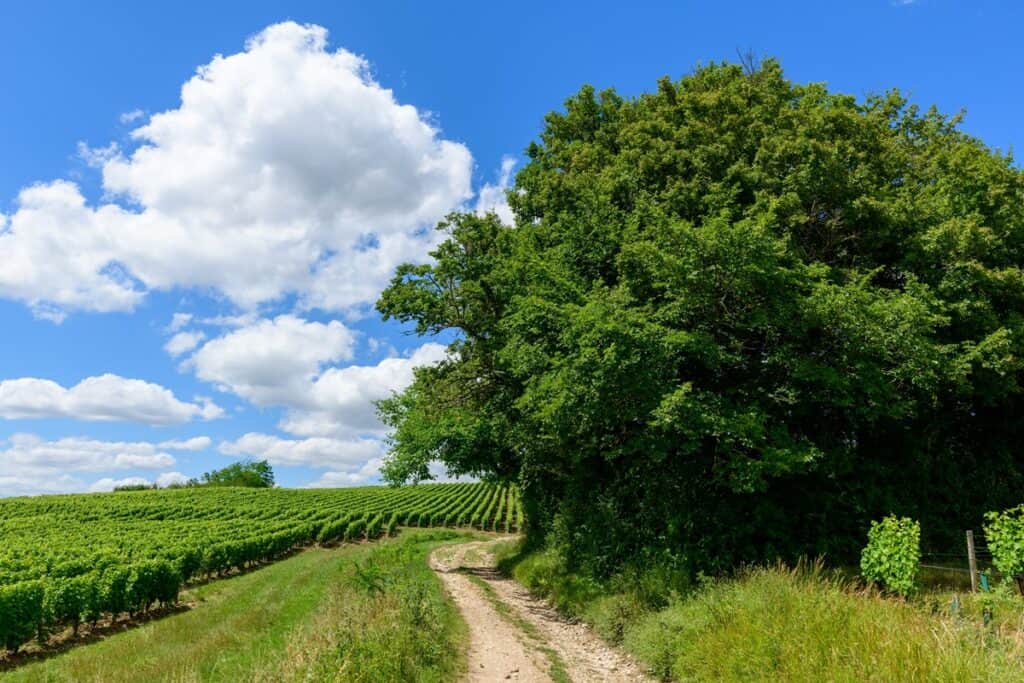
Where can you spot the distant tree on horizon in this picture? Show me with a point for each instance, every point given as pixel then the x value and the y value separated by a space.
pixel 135 487
pixel 257 474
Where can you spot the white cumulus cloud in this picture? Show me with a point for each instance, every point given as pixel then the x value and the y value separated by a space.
pixel 199 443
pixel 368 473
pixel 341 400
pixel 163 480
pixel 82 454
pixel 30 464
pixel 343 454
pixel 183 342
pixel 286 168
pixel 169 478
pixel 272 361
pixel 292 362
pixel 494 197
pixel 104 397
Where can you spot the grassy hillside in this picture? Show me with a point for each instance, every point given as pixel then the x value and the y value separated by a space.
pixel 310 616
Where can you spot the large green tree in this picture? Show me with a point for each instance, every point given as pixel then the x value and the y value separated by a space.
pixel 737 318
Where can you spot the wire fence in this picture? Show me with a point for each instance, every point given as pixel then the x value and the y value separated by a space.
pixel 961 563
pixel 945 569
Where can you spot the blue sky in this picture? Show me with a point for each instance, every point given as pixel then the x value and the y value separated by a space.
pixel 254 221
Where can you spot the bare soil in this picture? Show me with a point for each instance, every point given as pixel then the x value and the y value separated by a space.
pixel 516 645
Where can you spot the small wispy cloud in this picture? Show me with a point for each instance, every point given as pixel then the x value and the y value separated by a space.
pixel 132 116
pixel 96 157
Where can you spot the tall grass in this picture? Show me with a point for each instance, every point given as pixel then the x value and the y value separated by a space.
pixel 797 625
pixel 385 620
pixel 775 624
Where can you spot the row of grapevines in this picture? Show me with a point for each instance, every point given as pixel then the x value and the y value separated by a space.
pixel 65 560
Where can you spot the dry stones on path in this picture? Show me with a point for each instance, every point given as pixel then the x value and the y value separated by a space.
pixel 500 648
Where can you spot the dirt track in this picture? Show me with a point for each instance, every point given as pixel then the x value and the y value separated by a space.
pixel 514 636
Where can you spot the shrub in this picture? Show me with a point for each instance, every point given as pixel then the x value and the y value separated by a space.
pixel 1005 536
pixel 373 526
pixel 21 611
pixel 611 615
pixel 189 563
pixel 152 581
pixel 333 530
pixel 65 599
pixel 544 573
pixel 355 530
pixel 113 590
pixel 392 525
pixel 215 558
pixel 92 598
pixel 167 582
pixel 893 554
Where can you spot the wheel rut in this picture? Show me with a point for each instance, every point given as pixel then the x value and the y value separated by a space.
pixel 515 636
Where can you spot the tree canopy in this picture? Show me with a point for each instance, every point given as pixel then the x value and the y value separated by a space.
pixel 736 318
pixel 249 473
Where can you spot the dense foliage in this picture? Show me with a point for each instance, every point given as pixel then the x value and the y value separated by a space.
pixel 892 556
pixel 778 623
pixel 1004 533
pixel 65 560
pixel 736 318
pixel 253 474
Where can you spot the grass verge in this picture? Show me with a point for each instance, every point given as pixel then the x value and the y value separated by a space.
pixel 386 620
pixel 369 612
pixel 780 624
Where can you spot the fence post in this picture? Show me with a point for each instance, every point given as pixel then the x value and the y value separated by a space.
pixel 972 561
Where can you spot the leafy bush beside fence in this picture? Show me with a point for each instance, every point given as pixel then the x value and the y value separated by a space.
pixel 1004 532
pixel 893 554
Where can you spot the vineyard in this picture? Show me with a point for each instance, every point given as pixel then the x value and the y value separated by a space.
pixel 68 560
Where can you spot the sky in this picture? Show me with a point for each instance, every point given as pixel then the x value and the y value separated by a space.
pixel 200 202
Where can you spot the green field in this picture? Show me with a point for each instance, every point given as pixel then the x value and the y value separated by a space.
pixel 69 560
pixel 282 622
